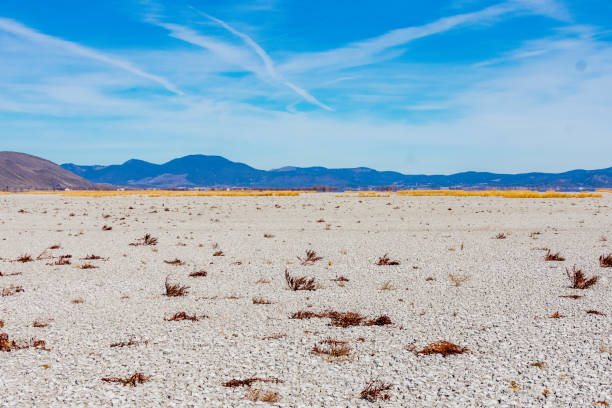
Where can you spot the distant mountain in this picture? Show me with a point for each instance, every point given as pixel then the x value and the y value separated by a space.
pixel 216 171
pixel 20 171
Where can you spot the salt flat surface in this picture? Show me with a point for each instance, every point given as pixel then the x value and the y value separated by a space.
pixel 501 312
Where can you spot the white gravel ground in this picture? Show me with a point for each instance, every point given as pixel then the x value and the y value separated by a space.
pixel 500 313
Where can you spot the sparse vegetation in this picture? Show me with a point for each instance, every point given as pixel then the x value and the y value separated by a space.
pixel 256 395
pixel 136 378
pixel 261 301
pixel 310 259
pixel 333 350
pixel 249 381
pixel 200 273
pixel 457 280
pixel 184 316
pixel 24 258
pixel 175 262
pixel 501 235
pixel 175 290
pixel 578 280
pixel 301 283
pixel 387 286
pixel 556 315
pixel 605 261
pixel 553 257
pixel 376 390
pixel 11 290
pixel 129 343
pixel 146 240
pixel 385 261
pixel 443 347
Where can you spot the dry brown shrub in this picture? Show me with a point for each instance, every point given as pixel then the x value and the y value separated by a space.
pixel 345 319
pixel 273 336
pixel 136 378
pixel 39 324
pixel 261 301
pixel 91 257
pixel 385 261
pixel 556 315
pixel 88 266
pixel 501 235
pixel 175 290
pixel 340 279
pixel 376 390
pixel 131 342
pixel 379 321
pixel 24 258
pixel 148 239
pixel 457 280
pixel 578 280
pixel 256 395
pixel 605 261
pixel 553 257
pixel 387 286
pixel 301 283
pixel 184 316
pixel 571 296
pixel 200 273
pixel 445 348
pixel 219 253
pixel 249 381
pixel 175 262
pixel 333 350
pixel 310 259
pixel 11 290
pixel 595 312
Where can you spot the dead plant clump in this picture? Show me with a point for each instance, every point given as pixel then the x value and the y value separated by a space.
pixel 376 390
pixel 11 290
pixel 385 261
pixel 556 315
pixel 553 257
pixel 200 273
pixel 9 345
pixel 88 266
pixel 249 381
pixel 62 260
pixel 333 350
pixel 184 316
pixel 343 319
pixel 301 283
pixel 129 343
pixel 340 279
pixel 39 324
pixel 256 395
pixel 501 235
pixel 10 274
pixel 310 259
pixel 387 286
pixel 175 262
pixel 219 253
pixel 24 258
pixel 136 378
pixel 146 240
pixel 578 280
pixel 596 312
pixel 605 261
pixel 457 280
pixel 445 348
pixel 273 336
pixel 175 290
pixel 91 257
pixel 571 296
pixel 261 301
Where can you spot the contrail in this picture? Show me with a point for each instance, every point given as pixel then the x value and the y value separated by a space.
pixel 21 30
pixel 268 63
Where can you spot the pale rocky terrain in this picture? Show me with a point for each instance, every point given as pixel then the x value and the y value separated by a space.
pixel 500 313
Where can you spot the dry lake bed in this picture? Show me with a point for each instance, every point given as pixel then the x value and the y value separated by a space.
pixel 87 318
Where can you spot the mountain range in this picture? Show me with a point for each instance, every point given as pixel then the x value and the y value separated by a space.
pixel 20 171
pixel 217 171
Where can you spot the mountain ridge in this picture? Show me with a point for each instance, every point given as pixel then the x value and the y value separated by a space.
pixel 216 171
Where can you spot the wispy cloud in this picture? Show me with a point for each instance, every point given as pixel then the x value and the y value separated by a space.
pixel 236 55
pixel 384 47
pixel 20 30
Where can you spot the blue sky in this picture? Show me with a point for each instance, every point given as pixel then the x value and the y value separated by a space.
pixel 411 86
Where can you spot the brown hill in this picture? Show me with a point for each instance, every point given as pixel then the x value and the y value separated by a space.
pixel 20 171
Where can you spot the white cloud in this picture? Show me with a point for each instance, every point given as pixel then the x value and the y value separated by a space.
pixel 20 30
